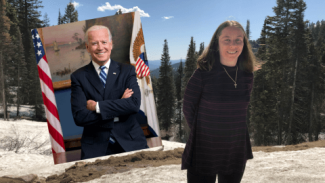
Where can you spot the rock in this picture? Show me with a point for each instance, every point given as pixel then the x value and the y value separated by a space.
pixel 66 180
pixel 85 175
pixel 78 164
pixel 40 180
pixel 65 175
pixel 51 177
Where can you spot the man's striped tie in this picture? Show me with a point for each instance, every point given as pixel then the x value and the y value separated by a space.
pixel 102 77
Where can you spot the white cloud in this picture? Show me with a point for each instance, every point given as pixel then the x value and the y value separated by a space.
pixel 231 18
pixel 166 18
pixel 76 4
pixel 124 10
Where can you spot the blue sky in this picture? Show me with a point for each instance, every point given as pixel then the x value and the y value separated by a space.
pixel 186 18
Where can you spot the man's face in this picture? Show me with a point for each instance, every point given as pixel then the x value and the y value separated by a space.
pixel 99 46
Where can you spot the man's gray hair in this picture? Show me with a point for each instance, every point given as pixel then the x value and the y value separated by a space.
pixel 98 27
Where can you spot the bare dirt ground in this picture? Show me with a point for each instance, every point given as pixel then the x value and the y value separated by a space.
pixel 297 147
pixel 87 171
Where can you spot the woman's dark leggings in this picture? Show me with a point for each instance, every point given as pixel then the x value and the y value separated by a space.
pixel 236 177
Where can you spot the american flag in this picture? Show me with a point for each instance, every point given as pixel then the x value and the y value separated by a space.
pixel 52 115
pixel 142 68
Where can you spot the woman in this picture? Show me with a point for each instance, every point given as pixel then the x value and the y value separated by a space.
pixel 215 107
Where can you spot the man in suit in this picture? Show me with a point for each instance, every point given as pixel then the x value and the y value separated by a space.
pixel 105 98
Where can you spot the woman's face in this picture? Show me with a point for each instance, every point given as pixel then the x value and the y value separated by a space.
pixel 231 43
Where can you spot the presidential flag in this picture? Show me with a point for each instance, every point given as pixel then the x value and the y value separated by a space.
pixel 52 115
pixel 138 59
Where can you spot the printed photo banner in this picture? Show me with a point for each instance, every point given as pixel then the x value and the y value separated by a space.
pixel 60 50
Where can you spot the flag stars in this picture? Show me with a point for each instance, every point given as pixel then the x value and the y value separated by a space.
pixel 37 36
pixel 33 37
pixel 39 53
pixel 39 44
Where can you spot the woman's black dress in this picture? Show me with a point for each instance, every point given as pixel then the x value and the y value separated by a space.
pixel 216 113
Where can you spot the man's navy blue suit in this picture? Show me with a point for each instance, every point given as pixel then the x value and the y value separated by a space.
pixel 86 85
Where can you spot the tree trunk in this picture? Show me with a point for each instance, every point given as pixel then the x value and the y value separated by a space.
pixel 281 105
pixel 180 120
pixel 311 124
pixel 17 93
pixel 3 89
pixel 318 127
pixel 290 139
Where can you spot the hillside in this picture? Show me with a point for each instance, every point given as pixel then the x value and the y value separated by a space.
pixel 155 72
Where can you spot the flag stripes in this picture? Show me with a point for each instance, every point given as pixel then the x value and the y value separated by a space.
pixel 55 135
pixel 46 89
pixel 53 118
pixel 46 80
pixel 43 65
pixel 141 68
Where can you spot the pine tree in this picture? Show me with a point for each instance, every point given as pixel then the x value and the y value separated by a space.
pixel 36 96
pixel 71 15
pixel 190 63
pixel 165 91
pixel 273 71
pixel 279 33
pixel 178 86
pixel 248 30
pixel 311 28
pixel 320 39
pixel 60 19
pixel 262 120
pixel 5 51
pixel 190 66
pixel 154 87
pixel 46 21
pixel 316 30
pixel 284 95
pixel 300 92
pixel 261 52
pixel 29 18
pixel 21 72
pixel 319 86
pixel 18 64
pixel 201 48
pixel 119 12
pixel 313 79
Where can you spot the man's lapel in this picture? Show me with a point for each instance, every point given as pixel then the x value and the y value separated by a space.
pixel 113 72
pixel 93 78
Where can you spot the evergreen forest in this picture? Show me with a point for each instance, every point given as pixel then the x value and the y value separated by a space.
pixel 287 103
